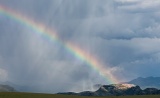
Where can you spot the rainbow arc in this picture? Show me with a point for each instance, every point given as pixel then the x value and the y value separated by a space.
pixel 51 35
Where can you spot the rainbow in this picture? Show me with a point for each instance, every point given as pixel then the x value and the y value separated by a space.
pixel 50 34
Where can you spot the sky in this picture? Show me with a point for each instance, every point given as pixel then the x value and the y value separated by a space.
pixel 123 35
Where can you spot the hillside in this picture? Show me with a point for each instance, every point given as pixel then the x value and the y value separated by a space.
pixel 6 88
pixel 117 90
pixel 147 82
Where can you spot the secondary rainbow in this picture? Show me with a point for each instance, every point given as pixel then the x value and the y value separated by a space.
pixel 41 29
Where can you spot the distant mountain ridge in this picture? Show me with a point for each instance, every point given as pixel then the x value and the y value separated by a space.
pixel 6 88
pixel 18 87
pixel 117 90
pixel 148 82
pixel 138 86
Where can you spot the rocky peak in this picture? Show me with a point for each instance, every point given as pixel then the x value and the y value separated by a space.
pixel 118 89
pixel 123 86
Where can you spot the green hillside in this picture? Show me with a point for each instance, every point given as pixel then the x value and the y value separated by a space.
pixel 32 95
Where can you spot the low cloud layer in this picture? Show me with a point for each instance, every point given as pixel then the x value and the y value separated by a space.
pixel 122 34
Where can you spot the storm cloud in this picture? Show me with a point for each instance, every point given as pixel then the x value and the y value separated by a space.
pixel 122 34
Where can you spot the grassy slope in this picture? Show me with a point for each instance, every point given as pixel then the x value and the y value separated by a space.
pixel 31 95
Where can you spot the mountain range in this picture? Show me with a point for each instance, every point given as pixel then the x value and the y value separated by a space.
pixel 6 88
pixel 148 82
pixel 138 86
pixel 117 90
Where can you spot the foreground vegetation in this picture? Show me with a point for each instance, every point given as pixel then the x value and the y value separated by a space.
pixel 32 95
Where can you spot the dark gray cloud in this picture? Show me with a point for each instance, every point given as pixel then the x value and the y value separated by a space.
pixel 122 34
